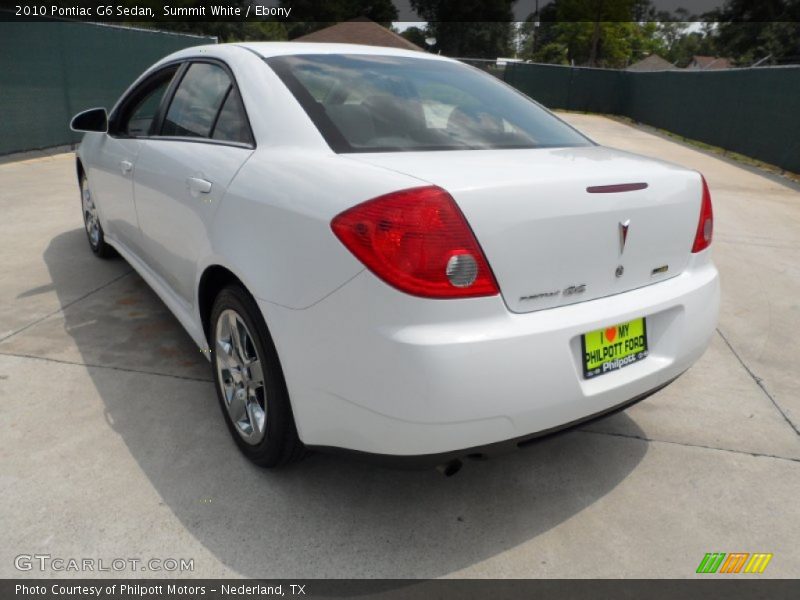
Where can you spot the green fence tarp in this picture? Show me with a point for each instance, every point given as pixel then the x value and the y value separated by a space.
pixel 49 71
pixel 755 112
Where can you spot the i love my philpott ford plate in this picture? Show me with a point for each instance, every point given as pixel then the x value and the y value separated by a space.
pixel 612 348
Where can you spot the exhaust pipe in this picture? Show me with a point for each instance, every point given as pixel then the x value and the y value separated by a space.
pixel 449 469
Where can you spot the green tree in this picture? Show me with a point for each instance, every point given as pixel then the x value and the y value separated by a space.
pixel 670 31
pixel 618 43
pixel 552 53
pixel 568 32
pixel 601 33
pixel 611 44
pixel 469 28
pixel 539 31
pixel 681 52
pixel 592 24
pixel 751 31
pixel 416 35
pixel 646 40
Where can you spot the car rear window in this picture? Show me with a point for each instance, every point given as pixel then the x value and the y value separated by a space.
pixel 373 103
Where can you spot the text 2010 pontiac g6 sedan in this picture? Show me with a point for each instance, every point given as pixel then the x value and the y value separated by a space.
pixel 393 253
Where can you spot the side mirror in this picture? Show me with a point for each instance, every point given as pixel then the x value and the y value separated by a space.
pixel 94 119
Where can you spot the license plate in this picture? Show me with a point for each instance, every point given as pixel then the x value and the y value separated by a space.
pixel 612 348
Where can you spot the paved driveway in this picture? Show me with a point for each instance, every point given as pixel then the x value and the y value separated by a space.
pixel 112 445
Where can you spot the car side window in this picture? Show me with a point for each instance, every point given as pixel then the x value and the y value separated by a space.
pixel 232 125
pixel 197 101
pixel 141 109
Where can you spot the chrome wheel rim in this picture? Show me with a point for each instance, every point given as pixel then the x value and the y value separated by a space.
pixel 90 215
pixel 240 376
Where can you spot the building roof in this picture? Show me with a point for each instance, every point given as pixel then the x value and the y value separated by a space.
pixel 709 62
pixel 359 31
pixel 652 62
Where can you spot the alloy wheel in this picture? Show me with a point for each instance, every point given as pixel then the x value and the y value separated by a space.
pixel 90 215
pixel 240 376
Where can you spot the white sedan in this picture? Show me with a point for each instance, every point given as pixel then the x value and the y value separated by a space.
pixel 395 254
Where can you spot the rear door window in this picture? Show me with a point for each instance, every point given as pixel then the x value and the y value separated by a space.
pixel 197 101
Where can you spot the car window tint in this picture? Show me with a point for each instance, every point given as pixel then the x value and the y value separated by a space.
pixel 143 112
pixel 363 103
pixel 197 101
pixel 232 123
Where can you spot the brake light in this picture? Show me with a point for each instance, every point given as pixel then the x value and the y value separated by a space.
pixel 418 241
pixel 705 226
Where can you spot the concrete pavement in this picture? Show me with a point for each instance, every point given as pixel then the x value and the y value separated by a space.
pixel 112 444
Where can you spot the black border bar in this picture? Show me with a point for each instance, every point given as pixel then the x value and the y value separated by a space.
pixel 710 587
pixel 395 10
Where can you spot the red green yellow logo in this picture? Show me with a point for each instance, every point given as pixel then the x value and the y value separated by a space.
pixel 735 562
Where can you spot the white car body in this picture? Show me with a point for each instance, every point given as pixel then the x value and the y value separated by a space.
pixel 368 367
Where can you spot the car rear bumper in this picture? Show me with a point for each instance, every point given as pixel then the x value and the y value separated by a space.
pixel 373 370
pixel 486 451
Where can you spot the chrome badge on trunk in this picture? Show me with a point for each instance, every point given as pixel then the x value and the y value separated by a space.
pixel 568 291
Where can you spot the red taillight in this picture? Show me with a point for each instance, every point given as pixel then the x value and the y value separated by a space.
pixel 705 226
pixel 418 241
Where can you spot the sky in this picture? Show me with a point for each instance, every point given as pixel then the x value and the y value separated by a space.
pixel 401 26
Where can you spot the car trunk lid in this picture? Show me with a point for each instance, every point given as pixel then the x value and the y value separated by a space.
pixel 565 225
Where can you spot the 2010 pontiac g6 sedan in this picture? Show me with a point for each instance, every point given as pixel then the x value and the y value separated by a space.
pixel 393 253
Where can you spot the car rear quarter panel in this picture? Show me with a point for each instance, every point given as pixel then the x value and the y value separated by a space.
pixel 274 225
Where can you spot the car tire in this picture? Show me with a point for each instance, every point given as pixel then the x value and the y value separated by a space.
pixel 91 222
pixel 249 381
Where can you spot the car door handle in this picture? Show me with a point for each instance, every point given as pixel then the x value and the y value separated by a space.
pixel 126 166
pixel 198 185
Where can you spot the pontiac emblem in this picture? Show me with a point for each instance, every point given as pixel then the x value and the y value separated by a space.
pixel 623 234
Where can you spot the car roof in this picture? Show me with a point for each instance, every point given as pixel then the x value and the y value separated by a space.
pixel 269 49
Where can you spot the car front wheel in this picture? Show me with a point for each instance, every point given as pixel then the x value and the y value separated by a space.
pixel 91 222
pixel 249 381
